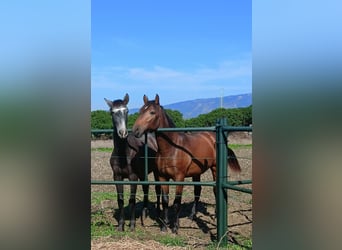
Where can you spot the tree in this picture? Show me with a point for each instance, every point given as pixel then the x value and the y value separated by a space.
pixel 131 119
pixel 236 117
pixel 101 119
pixel 177 117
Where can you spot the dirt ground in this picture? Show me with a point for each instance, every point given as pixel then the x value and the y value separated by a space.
pixel 201 231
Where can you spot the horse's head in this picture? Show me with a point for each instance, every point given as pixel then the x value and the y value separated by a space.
pixel 119 112
pixel 149 117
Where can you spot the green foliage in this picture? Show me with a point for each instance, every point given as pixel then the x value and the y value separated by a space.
pixel 131 119
pixel 236 117
pixel 177 117
pixel 101 119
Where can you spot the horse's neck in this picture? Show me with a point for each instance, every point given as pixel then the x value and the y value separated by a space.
pixel 165 121
pixel 164 138
pixel 119 143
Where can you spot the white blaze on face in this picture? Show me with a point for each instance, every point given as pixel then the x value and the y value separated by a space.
pixel 121 109
pixel 120 116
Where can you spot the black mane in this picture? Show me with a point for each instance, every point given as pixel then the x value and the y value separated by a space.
pixel 169 120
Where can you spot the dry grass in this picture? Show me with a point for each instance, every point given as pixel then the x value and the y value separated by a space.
pixel 129 243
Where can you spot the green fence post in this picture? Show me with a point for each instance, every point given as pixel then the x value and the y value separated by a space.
pixel 221 192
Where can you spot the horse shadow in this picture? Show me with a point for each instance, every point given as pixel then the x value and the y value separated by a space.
pixel 205 220
pixel 154 214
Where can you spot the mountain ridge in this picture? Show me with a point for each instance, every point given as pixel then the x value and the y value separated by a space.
pixel 193 108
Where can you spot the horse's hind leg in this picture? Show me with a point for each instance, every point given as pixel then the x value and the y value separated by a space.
pixel 213 172
pixel 197 195
pixel 158 192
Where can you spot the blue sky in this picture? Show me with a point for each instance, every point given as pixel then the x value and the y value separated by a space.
pixel 180 50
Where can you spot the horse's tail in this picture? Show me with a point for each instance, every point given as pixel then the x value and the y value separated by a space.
pixel 233 163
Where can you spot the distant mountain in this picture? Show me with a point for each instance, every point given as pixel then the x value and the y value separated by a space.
pixel 193 108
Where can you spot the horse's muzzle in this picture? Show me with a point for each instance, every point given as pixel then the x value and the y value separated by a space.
pixel 123 133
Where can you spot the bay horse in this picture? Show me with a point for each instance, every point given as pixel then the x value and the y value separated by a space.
pixel 127 161
pixel 179 155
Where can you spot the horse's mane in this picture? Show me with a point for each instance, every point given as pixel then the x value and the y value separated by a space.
pixel 169 120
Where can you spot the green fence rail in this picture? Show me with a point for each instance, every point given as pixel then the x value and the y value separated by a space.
pixel 222 184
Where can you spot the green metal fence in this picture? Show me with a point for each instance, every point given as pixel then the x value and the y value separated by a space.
pixel 222 184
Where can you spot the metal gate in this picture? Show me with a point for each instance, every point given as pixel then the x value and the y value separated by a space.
pixel 222 184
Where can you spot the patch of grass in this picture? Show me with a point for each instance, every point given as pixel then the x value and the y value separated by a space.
pixel 238 146
pixel 248 243
pixel 171 240
pixel 97 197
pixel 102 149
pixel 231 246
pixel 100 225
pixel 243 244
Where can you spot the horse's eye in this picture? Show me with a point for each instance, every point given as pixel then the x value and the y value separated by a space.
pixel 152 112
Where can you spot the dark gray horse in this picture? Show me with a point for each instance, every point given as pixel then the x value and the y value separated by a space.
pixel 127 161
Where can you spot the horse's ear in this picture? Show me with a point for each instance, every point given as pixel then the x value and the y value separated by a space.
pixel 145 99
pixel 109 103
pixel 156 100
pixel 126 99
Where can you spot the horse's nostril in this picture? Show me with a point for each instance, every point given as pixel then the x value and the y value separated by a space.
pixel 123 133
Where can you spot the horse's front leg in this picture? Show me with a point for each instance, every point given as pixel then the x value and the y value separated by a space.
pixel 120 199
pixel 165 204
pixel 177 205
pixel 132 202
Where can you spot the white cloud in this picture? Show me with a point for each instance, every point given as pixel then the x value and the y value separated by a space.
pixel 162 75
pixel 230 74
pixel 173 85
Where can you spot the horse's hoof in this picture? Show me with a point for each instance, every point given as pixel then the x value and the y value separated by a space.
pixel 120 229
pixel 163 229
pixel 175 230
pixel 131 227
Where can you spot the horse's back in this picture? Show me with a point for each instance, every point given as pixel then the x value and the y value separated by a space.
pixel 201 144
pixel 199 149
